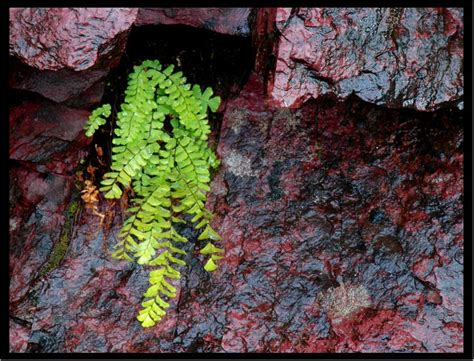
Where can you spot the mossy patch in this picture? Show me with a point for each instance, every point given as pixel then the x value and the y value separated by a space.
pixel 60 249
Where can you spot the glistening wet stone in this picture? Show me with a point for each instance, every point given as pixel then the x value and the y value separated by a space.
pixel 342 226
pixel 396 57
pixel 356 254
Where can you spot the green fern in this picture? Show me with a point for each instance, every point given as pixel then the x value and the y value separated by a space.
pixel 168 168
pixel 96 120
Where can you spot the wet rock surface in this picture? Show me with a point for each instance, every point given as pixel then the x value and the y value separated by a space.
pixel 232 21
pixel 64 54
pixel 410 57
pixel 46 144
pixel 342 226
pixel 79 89
pixel 46 135
pixel 69 38
pixel 342 221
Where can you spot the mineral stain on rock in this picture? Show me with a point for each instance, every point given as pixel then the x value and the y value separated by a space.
pixel 388 243
pixel 238 164
pixel 343 301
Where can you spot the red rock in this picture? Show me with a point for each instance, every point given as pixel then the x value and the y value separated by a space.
pixel 36 221
pixel 48 135
pixel 342 224
pixel 398 58
pixel 319 253
pixel 69 38
pixel 91 96
pixel 232 21
pixel 434 297
pixel 19 336
pixel 263 41
pixel 80 88
pixel 47 143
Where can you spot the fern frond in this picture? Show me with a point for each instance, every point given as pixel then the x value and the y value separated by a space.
pixel 168 169
pixel 128 163
pixel 154 306
pixel 96 119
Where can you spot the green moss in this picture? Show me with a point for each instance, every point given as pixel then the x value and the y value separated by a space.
pixel 60 249
pixel 72 209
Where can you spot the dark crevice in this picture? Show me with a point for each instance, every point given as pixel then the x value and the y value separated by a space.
pixel 206 58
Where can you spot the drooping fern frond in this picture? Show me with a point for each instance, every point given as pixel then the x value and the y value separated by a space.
pixel 160 150
pixel 95 119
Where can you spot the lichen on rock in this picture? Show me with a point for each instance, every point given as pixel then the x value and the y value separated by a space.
pixel 343 301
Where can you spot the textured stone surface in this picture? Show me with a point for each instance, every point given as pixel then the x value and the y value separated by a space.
pixel 46 144
pixel 342 221
pixel 69 38
pixel 78 88
pixel 264 36
pixel 411 57
pixel 232 21
pixel 76 43
pixel 343 232
pixel 46 134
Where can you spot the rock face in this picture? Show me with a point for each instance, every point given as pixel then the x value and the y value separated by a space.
pixel 74 49
pixel 46 134
pixel 411 57
pixel 46 144
pixel 232 21
pixel 78 88
pixel 69 38
pixel 343 232
pixel 342 220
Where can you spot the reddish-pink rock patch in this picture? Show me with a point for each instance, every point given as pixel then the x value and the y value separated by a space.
pixel 397 57
pixel 71 38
